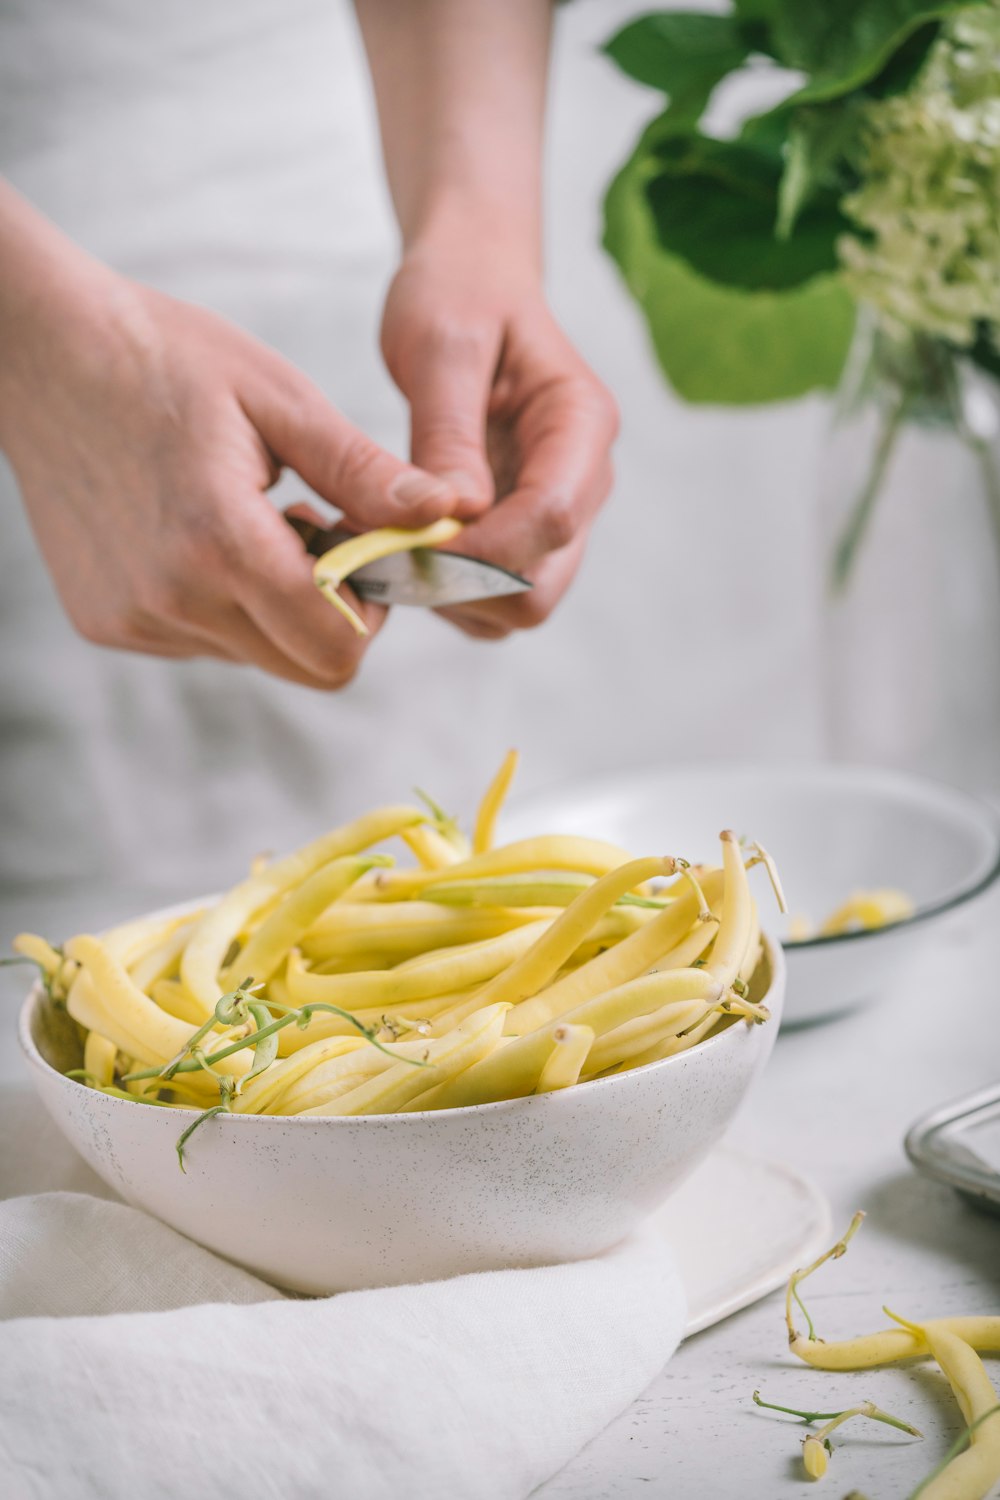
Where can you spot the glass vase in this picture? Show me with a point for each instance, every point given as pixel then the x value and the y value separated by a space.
pixel 911 538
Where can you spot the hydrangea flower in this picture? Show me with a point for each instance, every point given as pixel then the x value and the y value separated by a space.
pixel 928 257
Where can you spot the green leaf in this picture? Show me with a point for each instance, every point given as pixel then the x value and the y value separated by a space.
pixel 683 53
pixel 715 204
pixel 844 44
pixel 820 140
pixel 756 10
pixel 718 344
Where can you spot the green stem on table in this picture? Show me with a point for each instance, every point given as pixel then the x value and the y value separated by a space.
pixel 792 1411
pixel 833 1419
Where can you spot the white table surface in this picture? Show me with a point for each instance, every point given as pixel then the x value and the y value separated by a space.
pixel 835 1103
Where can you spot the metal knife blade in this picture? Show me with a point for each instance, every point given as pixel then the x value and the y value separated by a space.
pixel 424 577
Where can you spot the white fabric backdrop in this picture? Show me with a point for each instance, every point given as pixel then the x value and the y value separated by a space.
pixel 227 153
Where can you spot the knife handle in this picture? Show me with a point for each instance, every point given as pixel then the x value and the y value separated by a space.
pixel 317 539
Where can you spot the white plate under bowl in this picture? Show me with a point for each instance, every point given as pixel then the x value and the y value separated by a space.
pixel 833 829
pixel 779 1219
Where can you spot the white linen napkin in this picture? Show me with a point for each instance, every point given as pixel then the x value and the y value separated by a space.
pixel 135 1363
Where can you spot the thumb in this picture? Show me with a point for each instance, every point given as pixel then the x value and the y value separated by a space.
pixel 304 432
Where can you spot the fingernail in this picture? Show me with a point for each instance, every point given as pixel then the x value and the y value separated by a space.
pixel 466 486
pixel 414 488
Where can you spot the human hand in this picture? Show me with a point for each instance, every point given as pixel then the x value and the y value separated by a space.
pixel 502 404
pixel 144 433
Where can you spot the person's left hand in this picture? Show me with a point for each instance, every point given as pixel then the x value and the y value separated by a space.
pixel 503 406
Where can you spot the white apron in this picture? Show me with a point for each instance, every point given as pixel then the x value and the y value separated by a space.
pixel 227 153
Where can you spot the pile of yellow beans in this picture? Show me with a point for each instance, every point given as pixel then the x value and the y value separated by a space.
pixel 336 982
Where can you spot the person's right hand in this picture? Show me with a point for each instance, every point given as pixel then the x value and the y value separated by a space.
pixel 144 433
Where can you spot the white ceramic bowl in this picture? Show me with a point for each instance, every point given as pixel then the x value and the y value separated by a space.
pixel 322 1205
pixel 832 829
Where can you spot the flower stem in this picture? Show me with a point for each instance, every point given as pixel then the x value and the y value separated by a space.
pixel 861 512
pixel 986 455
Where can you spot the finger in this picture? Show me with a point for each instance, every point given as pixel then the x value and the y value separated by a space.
pixel 448 387
pixel 235 637
pixel 211 624
pixel 564 478
pixel 272 580
pixel 344 466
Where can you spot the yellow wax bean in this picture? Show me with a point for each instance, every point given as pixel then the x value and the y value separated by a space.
pixel 160 1034
pixel 211 940
pixel 461 1006
pixel 86 1005
pixel 868 909
pixel 30 945
pixel 99 1057
pixel 572 927
pixel 754 948
pixel 565 1063
pixel 546 852
pixel 736 926
pixel 324 1025
pixel 973 1473
pixel 889 1345
pixel 161 960
pixel 628 1042
pixel 260 1091
pixel 171 996
pixel 403 929
pixel 431 849
pixel 445 1056
pixel 327 1079
pixel 341 561
pixel 130 941
pixel 633 957
pixel 268 946
pixel 315 1101
pixel 142 1088
pixel 452 970
pixel 494 798
pixel 683 1041
pixel 692 946
pixel 556 889
pixel 513 1072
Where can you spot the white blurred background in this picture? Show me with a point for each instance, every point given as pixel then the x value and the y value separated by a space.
pixel 228 154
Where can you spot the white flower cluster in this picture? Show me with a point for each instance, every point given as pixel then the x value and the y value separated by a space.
pixel 929 200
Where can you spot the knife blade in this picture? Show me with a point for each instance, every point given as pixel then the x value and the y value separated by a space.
pixel 424 577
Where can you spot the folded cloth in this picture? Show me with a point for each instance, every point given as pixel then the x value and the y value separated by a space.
pixel 133 1362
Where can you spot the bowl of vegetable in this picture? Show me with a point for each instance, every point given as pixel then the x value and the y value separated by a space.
pixel 344 1074
pixel 871 860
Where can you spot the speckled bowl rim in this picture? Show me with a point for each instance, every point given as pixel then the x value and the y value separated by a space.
pixel 776 985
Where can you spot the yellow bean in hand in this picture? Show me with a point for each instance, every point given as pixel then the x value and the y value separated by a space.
pixel 341 561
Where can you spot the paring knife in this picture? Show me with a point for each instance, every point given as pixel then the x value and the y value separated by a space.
pixel 424 577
